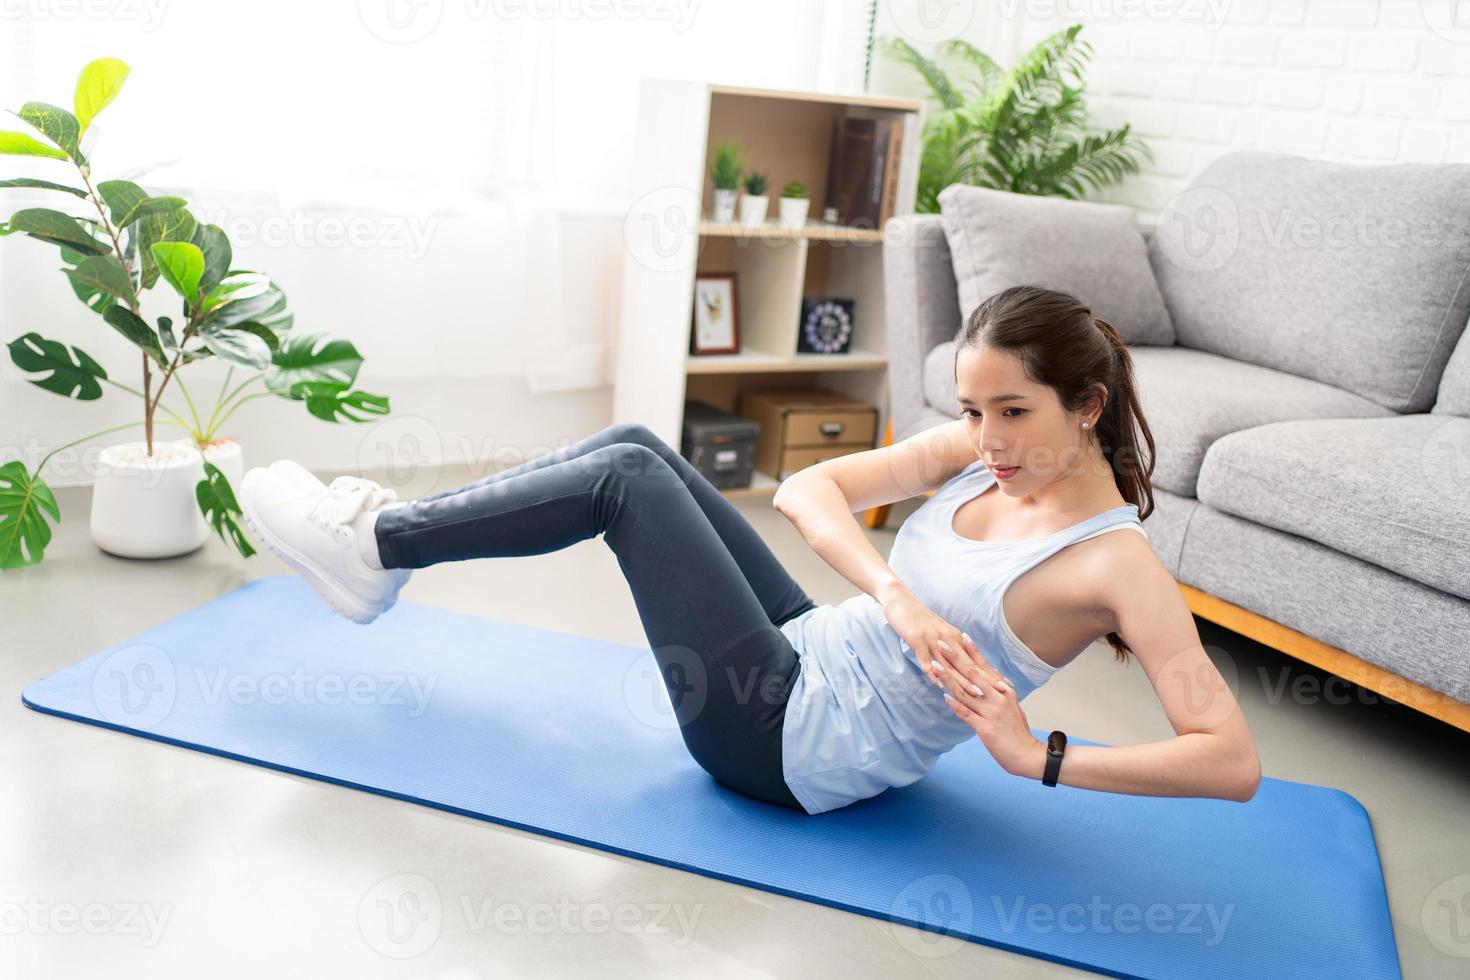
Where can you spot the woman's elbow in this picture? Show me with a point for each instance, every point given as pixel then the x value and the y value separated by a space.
pixel 1248 779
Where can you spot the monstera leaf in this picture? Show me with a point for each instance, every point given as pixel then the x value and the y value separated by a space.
pixel 73 375
pixel 24 503
pixel 217 502
pixel 305 358
pixel 332 402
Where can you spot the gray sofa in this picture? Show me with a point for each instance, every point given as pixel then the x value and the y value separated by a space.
pixel 1308 386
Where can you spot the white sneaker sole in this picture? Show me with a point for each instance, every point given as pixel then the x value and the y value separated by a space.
pixel 343 602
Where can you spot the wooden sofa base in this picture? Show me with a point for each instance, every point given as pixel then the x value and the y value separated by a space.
pixel 1294 644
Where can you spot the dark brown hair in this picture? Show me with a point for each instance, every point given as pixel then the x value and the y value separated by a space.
pixel 1062 345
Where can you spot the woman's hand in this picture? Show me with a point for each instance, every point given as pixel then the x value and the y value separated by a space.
pixel 990 708
pixel 932 639
pixel 974 689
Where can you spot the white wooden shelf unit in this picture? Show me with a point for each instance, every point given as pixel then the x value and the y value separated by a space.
pixel 668 238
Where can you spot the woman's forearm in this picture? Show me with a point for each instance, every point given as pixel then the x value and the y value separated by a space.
pixel 818 509
pixel 1192 764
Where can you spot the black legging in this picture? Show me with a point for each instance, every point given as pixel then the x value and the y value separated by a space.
pixel 709 591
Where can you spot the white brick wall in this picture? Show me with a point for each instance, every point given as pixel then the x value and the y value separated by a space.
pixel 1372 81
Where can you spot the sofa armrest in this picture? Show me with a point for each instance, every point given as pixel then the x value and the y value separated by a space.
pixel 921 310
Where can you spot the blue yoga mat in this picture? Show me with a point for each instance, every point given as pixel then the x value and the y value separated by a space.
pixel 574 738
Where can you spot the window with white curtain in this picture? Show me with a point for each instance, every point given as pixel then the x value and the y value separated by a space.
pixel 407 169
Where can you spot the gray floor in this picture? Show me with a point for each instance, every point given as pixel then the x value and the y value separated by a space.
pixel 146 860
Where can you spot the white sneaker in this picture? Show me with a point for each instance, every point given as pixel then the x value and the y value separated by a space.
pixel 310 528
pixel 296 475
pixel 304 479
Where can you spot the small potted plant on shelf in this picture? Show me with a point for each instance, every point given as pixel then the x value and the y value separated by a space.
pixel 152 498
pixel 754 202
pixel 724 171
pixel 794 205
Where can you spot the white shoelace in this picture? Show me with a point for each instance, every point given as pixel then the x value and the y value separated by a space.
pixel 345 498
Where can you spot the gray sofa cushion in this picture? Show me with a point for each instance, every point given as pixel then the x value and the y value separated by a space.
pixel 1354 605
pixel 920 309
pixel 1093 251
pixel 1355 275
pixel 1454 387
pixel 1190 398
pixel 939 383
pixel 1390 491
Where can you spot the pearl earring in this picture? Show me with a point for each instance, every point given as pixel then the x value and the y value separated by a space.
pixel 1086 424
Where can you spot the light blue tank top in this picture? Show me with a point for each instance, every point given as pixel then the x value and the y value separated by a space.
pixel 862 715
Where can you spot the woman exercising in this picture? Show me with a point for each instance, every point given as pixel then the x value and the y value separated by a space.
pixel 1001 578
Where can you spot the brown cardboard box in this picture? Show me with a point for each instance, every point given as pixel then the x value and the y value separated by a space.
pixel 800 427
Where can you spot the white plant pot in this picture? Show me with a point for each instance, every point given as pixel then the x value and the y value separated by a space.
pixel 753 208
pixel 145 507
pixel 724 206
pixel 793 211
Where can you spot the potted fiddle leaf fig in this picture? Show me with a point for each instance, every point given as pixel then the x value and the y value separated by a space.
pixel 116 242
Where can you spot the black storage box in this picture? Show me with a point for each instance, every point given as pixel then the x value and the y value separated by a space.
pixel 721 446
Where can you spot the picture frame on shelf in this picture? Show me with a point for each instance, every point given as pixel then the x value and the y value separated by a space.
pixel 716 327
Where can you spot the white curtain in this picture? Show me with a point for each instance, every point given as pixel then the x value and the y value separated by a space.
pixel 440 181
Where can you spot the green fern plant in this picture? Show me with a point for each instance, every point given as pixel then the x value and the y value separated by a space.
pixel 1023 130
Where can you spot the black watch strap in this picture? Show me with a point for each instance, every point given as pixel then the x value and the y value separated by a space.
pixel 1056 747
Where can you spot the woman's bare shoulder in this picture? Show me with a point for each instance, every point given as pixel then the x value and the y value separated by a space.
pixel 1123 568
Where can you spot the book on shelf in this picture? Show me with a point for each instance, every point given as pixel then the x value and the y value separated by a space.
pixel 890 172
pixel 862 171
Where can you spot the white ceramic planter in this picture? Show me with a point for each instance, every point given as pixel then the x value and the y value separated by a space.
pixel 145 507
pixel 753 208
pixel 793 211
pixel 724 206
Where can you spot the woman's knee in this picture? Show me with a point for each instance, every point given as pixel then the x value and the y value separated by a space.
pixel 636 433
pixel 634 464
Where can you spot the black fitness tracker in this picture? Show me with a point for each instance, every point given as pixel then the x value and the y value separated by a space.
pixel 1056 747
